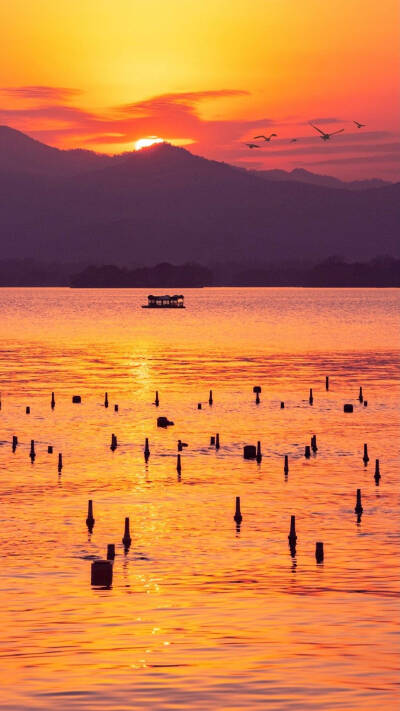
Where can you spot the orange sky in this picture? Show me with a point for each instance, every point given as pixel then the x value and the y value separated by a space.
pixel 101 74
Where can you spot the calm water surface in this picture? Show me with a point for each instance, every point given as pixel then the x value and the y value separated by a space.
pixel 200 615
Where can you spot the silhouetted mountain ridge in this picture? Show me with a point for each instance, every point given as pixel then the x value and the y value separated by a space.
pixel 301 175
pixel 166 204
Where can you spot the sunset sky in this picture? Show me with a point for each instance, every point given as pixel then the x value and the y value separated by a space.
pixel 208 75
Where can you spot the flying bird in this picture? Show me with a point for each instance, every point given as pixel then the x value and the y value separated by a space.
pixel 266 138
pixel 326 136
pixel 252 145
pixel 360 125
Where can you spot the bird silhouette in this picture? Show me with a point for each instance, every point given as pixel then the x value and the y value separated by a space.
pixel 252 145
pixel 360 125
pixel 326 136
pixel 266 138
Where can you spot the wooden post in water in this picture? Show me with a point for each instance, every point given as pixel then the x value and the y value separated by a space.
pixel 178 463
pixel 360 394
pixel 53 401
pixel 105 399
pixel 199 405
pixel 258 455
pixel 238 516
pixel 127 540
pixel 111 551
pixel 212 440
pixel 365 457
pixel 210 398
pixel 28 410
pixel 358 508
pixel 114 443
pixel 90 519
pixel 14 442
pixel 319 551
pixel 311 399
pixel 32 452
pixel 282 405
pixel 327 382
pixel 101 573
pixel 307 451
pixel 157 400
pixel 286 467
pixel 217 441
pixel 60 462
pixel 146 449
pixel 50 449
pixel 314 443
pixel 292 533
pixel 377 474
pixel 116 408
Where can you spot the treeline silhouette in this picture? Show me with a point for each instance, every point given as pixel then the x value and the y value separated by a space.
pixel 382 271
pixel 162 275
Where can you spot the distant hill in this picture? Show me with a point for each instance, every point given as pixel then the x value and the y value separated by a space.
pixel 300 175
pixel 166 204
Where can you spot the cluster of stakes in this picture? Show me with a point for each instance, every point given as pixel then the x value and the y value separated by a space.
pixel 102 570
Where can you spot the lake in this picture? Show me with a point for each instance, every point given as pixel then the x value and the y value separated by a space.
pixel 201 614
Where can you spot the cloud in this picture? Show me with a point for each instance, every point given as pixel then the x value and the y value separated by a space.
pixel 54 93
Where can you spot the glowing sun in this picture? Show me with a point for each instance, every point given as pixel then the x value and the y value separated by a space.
pixel 145 142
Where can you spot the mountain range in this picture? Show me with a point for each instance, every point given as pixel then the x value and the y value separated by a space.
pixel 164 203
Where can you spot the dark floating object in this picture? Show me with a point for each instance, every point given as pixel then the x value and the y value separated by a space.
pixel 282 405
pixel 238 516
pixel 319 552
pixel 217 441
pixel 53 401
pixel 163 422
pixel 164 302
pixel 127 540
pixel 116 408
pixel 327 382
pixel 358 508
pixel 199 405
pixel 210 398
pixel 257 390
pixel 111 551
pixel 360 395
pixel 314 443
pixel 32 453
pixel 60 462
pixel 348 407
pixel 307 451
pixel 14 442
pixel 106 400
pixel 178 463
pixel 76 399
pixel 259 455
pixel 311 399
pixel 50 449
pixel 90 519
pixel 114 443
pixel 377 474
pixel 102 573
pixel 365 403
pixel 292 533
pixel 146 449
pixel 28 410
pixel 212 440
pixel 365 457
pixel 157 400
pixel 249 451
pixel 286 466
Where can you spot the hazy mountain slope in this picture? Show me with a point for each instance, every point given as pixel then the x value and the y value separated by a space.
pixel 164 203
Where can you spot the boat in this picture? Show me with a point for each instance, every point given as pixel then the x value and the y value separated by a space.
pixel 164 302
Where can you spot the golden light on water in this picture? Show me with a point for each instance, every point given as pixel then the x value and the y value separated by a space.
pixel 146 142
